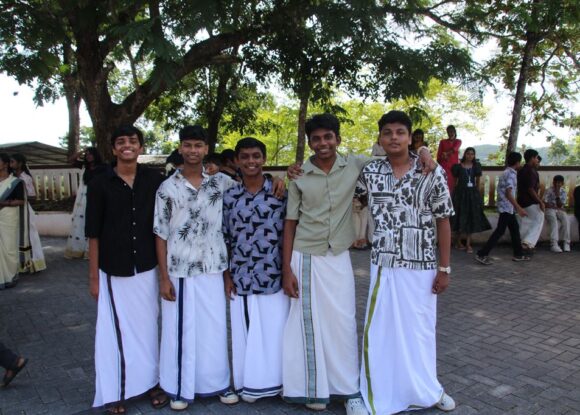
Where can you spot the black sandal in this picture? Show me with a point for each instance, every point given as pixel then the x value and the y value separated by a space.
pixel 158 397
pixel 11 373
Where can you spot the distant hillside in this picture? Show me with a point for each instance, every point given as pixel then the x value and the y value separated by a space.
pixel 484 150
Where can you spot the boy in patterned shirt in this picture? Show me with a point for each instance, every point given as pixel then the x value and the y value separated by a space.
pixel 555 200
pixel 192 256
pixel 507 206
pixel 252 226
pixel 411 215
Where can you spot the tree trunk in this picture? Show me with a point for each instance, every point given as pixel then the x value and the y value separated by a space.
pixel 302 113
pixel 73 103
pixel 532 40
pixel 219 105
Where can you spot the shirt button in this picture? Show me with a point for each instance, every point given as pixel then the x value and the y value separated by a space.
pixel 134 252
pixel 134 224
pixel 134 237
pixel 133 209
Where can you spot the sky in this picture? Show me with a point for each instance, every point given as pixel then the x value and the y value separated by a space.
pixel 22 120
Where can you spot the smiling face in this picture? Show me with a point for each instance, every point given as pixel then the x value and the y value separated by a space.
pixel 395 139
pixel 193 151
pixel 324 143
pixel 127 148
pixel 250 161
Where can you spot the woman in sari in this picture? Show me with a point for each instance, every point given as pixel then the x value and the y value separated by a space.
pixel 32 260
pixel 12 200
pixel 77 245
pixel 448 154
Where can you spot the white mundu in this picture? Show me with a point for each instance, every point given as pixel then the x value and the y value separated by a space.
pixel 399 342
pixel 194 350
pixel 127 338
pixel 320 341
pixel 257 328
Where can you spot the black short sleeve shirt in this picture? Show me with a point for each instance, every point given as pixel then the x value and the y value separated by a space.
pixel 528 178
pixel 121 217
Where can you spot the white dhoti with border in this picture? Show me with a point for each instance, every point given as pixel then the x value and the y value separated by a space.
pixel 194 350
pixel 127 338
pixel 257 330
pixel 320 358
pixel 399 370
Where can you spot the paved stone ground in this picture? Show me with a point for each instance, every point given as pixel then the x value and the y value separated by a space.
pixel 508 338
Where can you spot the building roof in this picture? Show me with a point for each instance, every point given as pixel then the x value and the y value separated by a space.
pixel 37 153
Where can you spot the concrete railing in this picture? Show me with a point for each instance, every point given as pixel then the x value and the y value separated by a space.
pixel 61 182
pixel 56 182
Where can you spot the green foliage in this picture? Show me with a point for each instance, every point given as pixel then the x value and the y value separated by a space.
pixel 558 151
pixel 87 138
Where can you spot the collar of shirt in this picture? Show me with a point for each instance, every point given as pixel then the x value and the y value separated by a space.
pixel 179 177
pixel 415 166
pixel 310 168
pixel 266 187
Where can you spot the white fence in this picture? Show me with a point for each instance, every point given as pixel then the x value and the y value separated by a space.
pixel 62 182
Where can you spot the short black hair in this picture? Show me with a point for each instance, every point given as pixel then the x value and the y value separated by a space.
pixel 214 158
pixel 250 142
pixel 513 158
pixel 174 158
pixel 193 132
pixel 326 121
pixel 396 116
pixel 558 178
pixel 228 155
pixel 451 127
pixel 529 154
pixel 5 158
pixel 127 130
pixel 418 131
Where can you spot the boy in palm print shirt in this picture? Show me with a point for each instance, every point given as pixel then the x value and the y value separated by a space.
pixel 192 256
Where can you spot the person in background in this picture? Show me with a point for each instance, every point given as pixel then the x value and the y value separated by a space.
pixel 173 162
pixel 507 207
pixel 417 140
pixel 212 163
pixel 13 213
pixel 529 199
pixel 555 199
pixel 77 245
pixel 467 203
pixel 31 257
pixel 228 166
pixel 12 363
pixel 448 154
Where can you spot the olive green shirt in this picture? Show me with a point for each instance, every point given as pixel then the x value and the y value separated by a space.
pixel 322 205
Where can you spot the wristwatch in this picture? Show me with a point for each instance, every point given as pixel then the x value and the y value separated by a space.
pixel 446 270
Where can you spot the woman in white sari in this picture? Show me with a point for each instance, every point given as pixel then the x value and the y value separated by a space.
pixel 32 260
pixel 12 200
pixel 77 245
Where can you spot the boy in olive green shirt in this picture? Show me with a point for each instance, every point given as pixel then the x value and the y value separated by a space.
pixel 320 342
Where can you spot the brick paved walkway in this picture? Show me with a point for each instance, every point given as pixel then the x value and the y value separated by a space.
pixel 508 339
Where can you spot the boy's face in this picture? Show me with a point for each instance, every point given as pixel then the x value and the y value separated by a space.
pixel 211 168
pixel 517 166
pixel 127 148
pixel 395 139
pixel 193 151
pixel 534 162
pixel 558 185
pixel 250 161
pixel 324 143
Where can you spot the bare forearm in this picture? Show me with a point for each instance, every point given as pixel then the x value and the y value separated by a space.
pixel 444 241
pixel 161 249
pixel 288 242
pixel 94 258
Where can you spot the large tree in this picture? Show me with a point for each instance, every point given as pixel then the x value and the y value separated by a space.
pixel 538 59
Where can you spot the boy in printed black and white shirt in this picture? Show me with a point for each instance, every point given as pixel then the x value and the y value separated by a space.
pixel 411 215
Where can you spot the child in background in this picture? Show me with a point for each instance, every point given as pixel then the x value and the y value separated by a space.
pixel 555 200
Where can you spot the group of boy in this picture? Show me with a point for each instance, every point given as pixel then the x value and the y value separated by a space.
pixel 522 210
pixel 248 239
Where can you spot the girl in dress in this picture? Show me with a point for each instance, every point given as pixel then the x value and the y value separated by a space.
pixel 31 258
pixel 448 154
pixel 77 245
pixel 469 217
